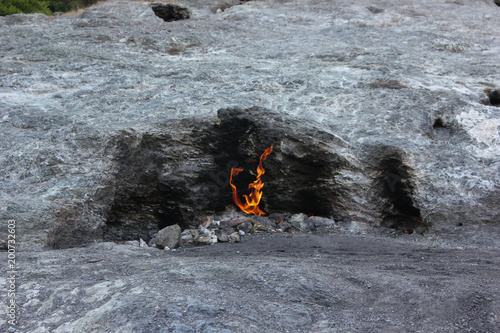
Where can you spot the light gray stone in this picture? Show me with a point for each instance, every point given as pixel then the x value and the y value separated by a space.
pixel 319 221
pixel 116 123
pixel 297 219
pixel 169 237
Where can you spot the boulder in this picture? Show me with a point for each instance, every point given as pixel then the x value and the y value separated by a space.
pixel 169 237
pixel 116 123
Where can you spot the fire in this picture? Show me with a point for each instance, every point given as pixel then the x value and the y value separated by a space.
pixel 251 205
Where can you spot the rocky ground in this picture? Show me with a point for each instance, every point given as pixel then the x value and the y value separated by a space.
pixel 322 281
pixel 127 119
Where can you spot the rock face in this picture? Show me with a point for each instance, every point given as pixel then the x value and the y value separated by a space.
pixel 116 123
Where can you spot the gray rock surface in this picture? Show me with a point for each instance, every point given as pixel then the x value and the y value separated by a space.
pixel 169 237
pixel 116 124
pixel 319 221
pixel 300 282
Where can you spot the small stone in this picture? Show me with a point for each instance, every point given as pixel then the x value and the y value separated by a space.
pixel 205 237
pixel 307 225
pixel 234 237
pixel 222 236
pixel 207 223
pixel 142 243
pixel 319 221
pixel 264 221
pixel 296 219
pixel 246 227
pixel 241 233
pixel 169 237
pixel 203 230
pixel 284 226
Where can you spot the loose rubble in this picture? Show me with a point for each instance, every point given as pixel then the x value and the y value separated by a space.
pixel 231 226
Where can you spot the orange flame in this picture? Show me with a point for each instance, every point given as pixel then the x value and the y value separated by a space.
pixel 251 205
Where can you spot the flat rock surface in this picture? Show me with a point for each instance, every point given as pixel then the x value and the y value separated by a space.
pixel 300 282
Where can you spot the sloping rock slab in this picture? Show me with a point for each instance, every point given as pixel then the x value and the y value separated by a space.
pixel 116 124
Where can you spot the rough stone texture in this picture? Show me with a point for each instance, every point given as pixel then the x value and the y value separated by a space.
pixel 169 237
pixel 269 283
pixel 116 124
pixel 319 221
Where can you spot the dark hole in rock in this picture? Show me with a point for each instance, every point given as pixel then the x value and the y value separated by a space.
pixel 143 203
pixel 438 123
pixel 298 173
pixel 494 97
pixel 497 2
pixel 169 12
pixel 400 211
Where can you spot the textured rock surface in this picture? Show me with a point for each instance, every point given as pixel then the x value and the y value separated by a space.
pixel 271 283
pixel 169 237
pixel 116 124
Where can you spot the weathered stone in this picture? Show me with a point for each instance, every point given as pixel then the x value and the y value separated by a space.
pixel 245 227
pixel 142 243
pixel 284 226
pixel 319 221
pixel 264 221
pixel 307 225
pixel 204 237
pixel 117 124
pixel 222 236
pixel 169 237
pixel 234 237
pixel 296 220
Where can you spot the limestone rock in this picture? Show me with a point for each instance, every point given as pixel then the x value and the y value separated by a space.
pixel 169 237
pixel 116 123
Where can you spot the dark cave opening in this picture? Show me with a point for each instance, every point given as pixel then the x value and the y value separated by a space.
pixel 400 211
pixel 438 123
pixel 170 12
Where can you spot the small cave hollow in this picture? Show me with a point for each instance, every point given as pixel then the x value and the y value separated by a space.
pixel 494 97
pixel 144 201
pixel 170 12
pixel 399 210
pixel 438 123
pixel 170 177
